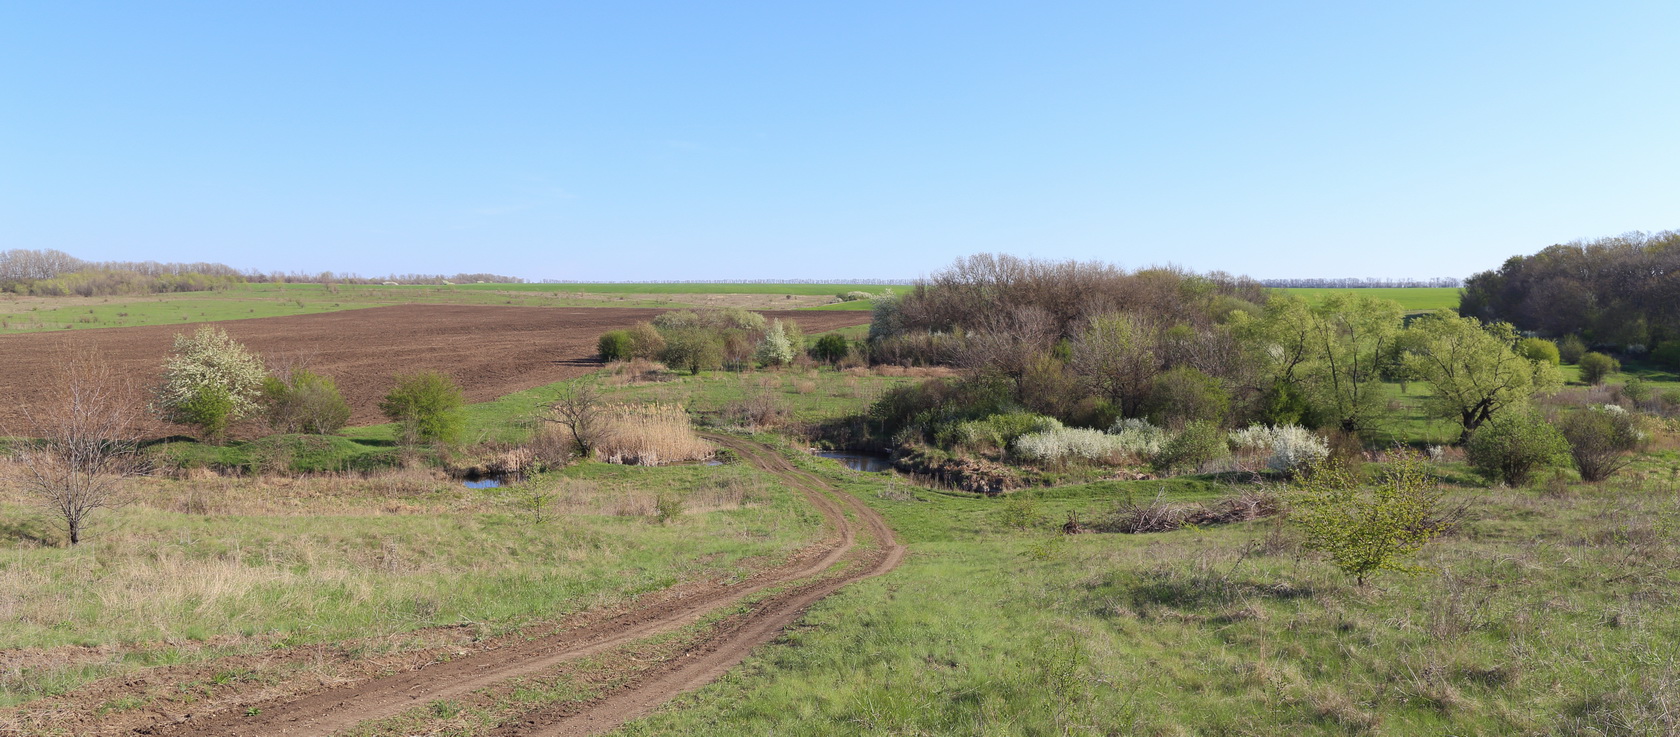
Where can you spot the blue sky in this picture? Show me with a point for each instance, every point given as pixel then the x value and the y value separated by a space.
pixel 636 140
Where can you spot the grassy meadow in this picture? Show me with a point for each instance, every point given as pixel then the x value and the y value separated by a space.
pixel 209 566
pixel 1413 299
pixel 1545 613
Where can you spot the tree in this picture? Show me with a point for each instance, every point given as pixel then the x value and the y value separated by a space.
pixel 1511 447
pixel 692 350
pixel 426 407
pixel 1366 530
pixel 1571 349
pixel 1350 339
pixel 209 382
pixel 1115 356
pixel 775 349
pixel 1601 440
pixel 87 444
pixel 1184 395
pixel 831 348
pixel 1472 368
pixel 1595 367
pixel 645 341
pixel 581 411
pixel 304 401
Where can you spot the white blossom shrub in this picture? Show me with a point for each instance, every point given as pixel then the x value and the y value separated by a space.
pixel 776 349
pixel 1067 444
pixel 1137 438
pixel 209 381
pixel 1295 449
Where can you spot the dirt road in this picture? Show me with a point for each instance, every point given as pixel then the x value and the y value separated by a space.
pixel 789 590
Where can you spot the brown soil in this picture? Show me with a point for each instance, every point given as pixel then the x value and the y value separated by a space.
pixel 491 351
pixel 636 686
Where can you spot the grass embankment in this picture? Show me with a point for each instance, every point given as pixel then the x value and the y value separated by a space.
pixel 200 568
pixel 1542 615
pixel 36 314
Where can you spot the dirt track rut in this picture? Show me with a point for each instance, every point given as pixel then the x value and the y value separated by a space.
pixel 792 588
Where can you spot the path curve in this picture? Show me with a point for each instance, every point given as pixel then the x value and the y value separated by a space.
pixel 799 584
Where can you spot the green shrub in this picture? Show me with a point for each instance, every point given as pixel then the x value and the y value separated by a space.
pixel 1667 354
pixel 1019 512
pixel 306 402
pixel 1368 530
pixel 1595 367
pixel 210 381
pixel 1639 390
pixel 1539 349
pixel 1183 395
pixel 1512 446
pixel 1570 349
pixel 831 348
pixel 693 350
pixel 616 345
pixel 1600 440
pixel 426 406
pixel 1198 443
pixel 999 431
pixel 645 341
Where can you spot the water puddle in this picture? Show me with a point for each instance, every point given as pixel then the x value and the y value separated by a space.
pixel 489 482
pixel 859 461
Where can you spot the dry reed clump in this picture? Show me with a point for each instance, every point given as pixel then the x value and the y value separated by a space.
pixel 637 371
pixel 760 406
pixel 1161 516
pixel 650 434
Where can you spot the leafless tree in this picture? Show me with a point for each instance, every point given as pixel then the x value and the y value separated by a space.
pixel 581 410
pixel 85 443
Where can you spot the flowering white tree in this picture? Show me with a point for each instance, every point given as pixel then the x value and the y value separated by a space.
pixel 210 381
pixel 776 349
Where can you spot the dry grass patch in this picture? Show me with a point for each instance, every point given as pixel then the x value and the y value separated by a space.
pixel 650 434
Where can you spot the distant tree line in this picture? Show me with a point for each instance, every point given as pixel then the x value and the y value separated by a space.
pixel 51 273
pixel 1365 283
pixel 1622 291
pixel 887 282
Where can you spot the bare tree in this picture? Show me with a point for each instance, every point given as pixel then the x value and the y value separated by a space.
pixel 582 410
pixel 85 443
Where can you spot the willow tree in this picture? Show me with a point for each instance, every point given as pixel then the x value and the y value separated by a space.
pixel 1473 370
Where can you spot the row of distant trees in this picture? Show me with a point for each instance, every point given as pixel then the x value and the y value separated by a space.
pixel 56 273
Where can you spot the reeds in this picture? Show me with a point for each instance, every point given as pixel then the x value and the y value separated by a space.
pixel 650 434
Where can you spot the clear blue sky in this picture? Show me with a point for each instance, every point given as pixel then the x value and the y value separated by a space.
pixel 679 140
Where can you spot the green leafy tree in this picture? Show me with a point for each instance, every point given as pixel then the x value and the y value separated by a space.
pixel 1596 367
pixel 1510 448
pixel 831 348
pixel 1352 338
pixel 210 381
pixel 1183 395
pixel 693 350
pixel 426 407
pixel 1473 370
pixel 1198 443
pixel 1365 529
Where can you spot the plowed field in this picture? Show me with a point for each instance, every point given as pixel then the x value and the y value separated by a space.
pixel 491 351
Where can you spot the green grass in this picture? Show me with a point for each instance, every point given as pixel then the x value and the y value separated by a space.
pixel 1414 299
pixel 279 563
pixel 857 304
pixel 1543 616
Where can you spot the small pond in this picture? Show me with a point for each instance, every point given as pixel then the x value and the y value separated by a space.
pixel 489 482
pixel 859 460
